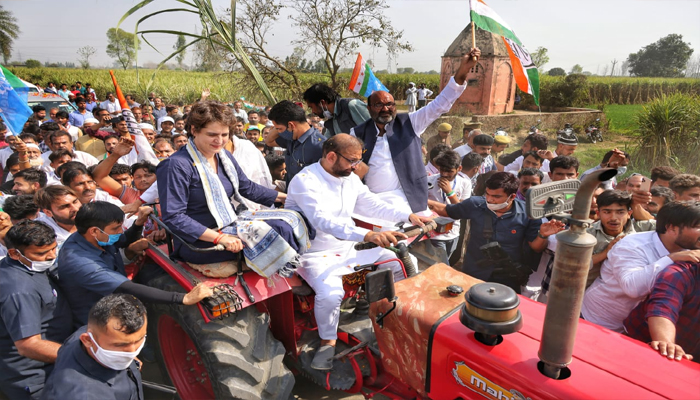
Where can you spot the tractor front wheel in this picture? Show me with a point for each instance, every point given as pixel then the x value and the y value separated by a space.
pixel 233 358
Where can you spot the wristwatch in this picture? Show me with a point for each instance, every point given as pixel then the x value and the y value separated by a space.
pixel 540 235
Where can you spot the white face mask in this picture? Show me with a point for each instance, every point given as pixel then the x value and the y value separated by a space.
pixel 326 114
pixel 499 206
pixel 38 266
pixel 621 170
pixel 116 360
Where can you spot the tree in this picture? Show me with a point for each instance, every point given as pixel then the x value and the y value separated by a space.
pixel 625 68
pixel 692 69
pixel 556 72
pixel 122 46
pixel 540 58
pixel 576 69
pixel 84 54
pixel 666 57
pixel 179 45
pixel 336 28
pixel 33 63
pixel 9 31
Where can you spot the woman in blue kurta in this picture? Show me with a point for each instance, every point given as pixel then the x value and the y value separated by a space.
pixel 196 186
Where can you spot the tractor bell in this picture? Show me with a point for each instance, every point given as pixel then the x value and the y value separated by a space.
pixel 491 310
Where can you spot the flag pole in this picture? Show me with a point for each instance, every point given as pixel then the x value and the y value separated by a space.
pixel 473 38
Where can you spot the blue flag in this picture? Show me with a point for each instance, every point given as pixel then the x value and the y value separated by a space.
pixel 13 110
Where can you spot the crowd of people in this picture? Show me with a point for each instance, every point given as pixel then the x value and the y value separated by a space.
pixel 281 189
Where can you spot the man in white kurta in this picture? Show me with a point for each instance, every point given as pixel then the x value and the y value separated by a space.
pixel 327 193
pixel 381 176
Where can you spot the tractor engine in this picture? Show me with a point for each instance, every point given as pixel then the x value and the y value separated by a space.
pixel 484 342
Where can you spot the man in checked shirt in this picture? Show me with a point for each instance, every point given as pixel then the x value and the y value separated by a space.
pixel 669 320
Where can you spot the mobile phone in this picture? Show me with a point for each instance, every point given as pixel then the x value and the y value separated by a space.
pixel 646 185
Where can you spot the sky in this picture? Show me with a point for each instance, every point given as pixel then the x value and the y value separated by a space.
pixel 591 33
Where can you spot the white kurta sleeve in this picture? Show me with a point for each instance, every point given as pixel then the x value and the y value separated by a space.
pixel 371 205
pixel 309 196
pixel 422 118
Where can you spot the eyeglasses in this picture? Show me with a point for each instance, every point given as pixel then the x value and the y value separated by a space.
pixel 379 106
pixel 353 163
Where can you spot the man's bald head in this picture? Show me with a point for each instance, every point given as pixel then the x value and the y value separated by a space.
pixel 342 143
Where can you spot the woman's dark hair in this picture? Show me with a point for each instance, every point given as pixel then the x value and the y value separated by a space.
pixel 20 207
pixel 503 180
pixel 285 111
pixel 205 112
pixel 563 162
pixel 610 197
pixel 447 160
pixel 682 214
pixel 99 214
pixel 320 91
pixel 29 233
pixel 537 140
pixel 125 308
pixel 435 151
pixel 143 165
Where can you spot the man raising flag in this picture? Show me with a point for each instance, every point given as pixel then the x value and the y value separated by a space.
pixel 393 160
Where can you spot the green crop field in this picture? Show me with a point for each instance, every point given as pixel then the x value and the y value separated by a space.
pixel 175 86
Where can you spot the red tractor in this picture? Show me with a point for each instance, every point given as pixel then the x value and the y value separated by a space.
pixel 437 335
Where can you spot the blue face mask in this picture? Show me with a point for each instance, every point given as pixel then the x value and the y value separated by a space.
pixel 287 134
pixel 112 239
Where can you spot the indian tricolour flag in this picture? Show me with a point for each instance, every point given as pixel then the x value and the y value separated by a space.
pixel 363 80
pixel 525 71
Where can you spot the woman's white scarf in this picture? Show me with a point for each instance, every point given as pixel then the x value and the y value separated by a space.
pixel 266 252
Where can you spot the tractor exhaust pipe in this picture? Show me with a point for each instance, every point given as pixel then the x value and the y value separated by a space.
pixel 571 264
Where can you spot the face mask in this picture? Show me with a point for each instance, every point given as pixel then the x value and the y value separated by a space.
pixel 112 239
pixel 38 266
pixel 116 360
pixel 287 134
pixel 326 114
pixel 621 170
pixel 499 206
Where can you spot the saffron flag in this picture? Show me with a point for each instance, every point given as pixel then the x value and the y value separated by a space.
pixel 525 71
pixel 363 80
pixel 13 109
pixel 144 151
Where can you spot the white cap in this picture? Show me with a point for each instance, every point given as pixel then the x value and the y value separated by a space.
pixel 34 146
pixel 146 126
pixel 166 119
pixel 8 133
pixel 91 121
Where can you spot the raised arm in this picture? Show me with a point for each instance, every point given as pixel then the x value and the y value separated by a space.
pixel 102 170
